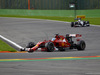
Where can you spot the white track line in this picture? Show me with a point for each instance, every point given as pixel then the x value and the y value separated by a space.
pixel 11 42
pixel 96 25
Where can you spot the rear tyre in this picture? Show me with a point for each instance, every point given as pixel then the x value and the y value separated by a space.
pixel 72 24
pixel 88 24
pixel 30 45
pixel 81 45
pixel 76 23
pixel 49 46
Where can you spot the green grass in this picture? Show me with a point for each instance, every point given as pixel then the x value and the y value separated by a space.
pixel 95 21
pixel 5 47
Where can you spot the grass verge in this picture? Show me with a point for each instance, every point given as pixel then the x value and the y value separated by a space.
pixel 5 47
pixel 95 21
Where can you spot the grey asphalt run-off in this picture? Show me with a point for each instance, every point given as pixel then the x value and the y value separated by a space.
pixel 22 31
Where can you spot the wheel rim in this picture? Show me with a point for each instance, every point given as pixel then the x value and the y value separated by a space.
pixel 83 46
pixel 51 47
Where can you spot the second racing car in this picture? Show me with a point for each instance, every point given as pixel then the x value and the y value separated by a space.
pixel 80 23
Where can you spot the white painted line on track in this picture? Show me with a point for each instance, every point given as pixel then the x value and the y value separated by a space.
pixel 11 42
pixel 92 73
pixel 96 25
pixel 58 21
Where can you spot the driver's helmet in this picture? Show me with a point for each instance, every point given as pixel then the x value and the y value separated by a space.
pixel 79 20
pixel 53 39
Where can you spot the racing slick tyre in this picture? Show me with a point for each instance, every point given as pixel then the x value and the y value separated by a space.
pixel 87 23
pixel 72 24
pixel 30 45
pixel 81 45
pixel 49 46
pixel 76 23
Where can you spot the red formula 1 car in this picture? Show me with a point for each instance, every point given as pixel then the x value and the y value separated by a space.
pixel 58 42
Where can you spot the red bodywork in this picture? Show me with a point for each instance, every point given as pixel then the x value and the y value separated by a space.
pixel 59 41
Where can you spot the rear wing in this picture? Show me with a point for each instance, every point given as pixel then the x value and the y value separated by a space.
pixel 74 35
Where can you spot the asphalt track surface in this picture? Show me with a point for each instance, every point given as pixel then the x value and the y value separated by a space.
pixel 23 31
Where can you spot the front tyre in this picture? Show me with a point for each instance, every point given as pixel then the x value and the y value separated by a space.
pixel 72 24
pixel 81 45
pixel 49 46
pixel 87 22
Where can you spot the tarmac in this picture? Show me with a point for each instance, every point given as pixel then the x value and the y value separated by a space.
pixel 22 31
